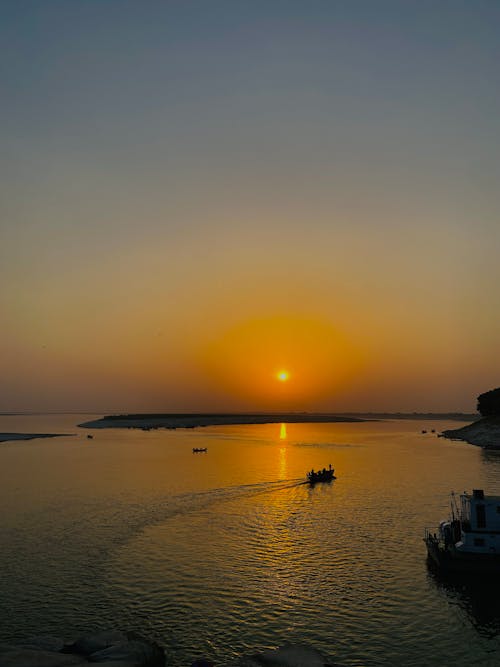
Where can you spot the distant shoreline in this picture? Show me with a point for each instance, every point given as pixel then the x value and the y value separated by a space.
pixel 370 416
pixel 193 420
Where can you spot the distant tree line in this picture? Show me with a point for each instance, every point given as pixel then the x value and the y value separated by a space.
pixel 488 404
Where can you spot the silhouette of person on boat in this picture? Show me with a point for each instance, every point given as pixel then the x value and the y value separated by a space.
pixel 325 475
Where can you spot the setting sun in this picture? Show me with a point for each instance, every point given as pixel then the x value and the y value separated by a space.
pixel 280 362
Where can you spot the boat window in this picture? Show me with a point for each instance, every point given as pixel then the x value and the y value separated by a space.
pixel 481 516
pixel 478 542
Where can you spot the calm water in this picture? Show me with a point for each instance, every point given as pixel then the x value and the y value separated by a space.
pixel 227 552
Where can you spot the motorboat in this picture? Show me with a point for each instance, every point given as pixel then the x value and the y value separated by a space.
pixel 470 538
pixel 325 475
pixel 198 450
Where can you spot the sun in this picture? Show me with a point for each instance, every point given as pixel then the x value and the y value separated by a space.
pixel 283 376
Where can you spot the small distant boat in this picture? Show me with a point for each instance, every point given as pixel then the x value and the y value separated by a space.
pixel 89 436
pixel 470 539
pixel 423 431
pixel 198 450
pixel 325 475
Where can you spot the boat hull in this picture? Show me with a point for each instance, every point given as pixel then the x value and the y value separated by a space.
pixel 454 560
pixel 320 479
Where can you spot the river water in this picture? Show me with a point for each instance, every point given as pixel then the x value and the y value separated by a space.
pixel 229 552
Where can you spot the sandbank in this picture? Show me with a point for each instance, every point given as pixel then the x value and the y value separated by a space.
pixel 4 437
pixel 188 420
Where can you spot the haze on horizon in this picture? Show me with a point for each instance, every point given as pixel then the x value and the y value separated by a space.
pixel 197 197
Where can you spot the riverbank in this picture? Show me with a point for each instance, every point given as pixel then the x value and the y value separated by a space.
pixel 188 420
pixel 484 433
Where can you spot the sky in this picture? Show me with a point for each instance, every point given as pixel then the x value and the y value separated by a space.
pixel 198 195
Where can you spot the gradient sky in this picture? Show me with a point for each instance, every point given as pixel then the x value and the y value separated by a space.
pixel 196 195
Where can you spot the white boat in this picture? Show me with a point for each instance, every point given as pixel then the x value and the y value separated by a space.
pixel 470 539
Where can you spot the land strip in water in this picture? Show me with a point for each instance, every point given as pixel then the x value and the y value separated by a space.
pixel 5 437
pixel 193 420
pixel 148 421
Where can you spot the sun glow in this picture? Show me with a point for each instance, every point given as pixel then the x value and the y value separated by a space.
pixel 279 363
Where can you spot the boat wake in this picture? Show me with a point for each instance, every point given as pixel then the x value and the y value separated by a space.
pixel 230 493
pixel 142 516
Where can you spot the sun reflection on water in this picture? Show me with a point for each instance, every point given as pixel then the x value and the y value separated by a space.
pixel 283 463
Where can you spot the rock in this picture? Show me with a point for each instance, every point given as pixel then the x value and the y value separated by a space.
pixel 289 655
pixel 26 657
pixel 98 641
pixel 116 649
pixel 136 652
pixel 115 663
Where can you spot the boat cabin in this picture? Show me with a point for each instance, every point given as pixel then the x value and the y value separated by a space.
pixel 480 522
pixel 470 538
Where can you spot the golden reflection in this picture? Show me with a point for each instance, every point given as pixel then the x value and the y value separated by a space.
pixel 283 463
pixel 283 432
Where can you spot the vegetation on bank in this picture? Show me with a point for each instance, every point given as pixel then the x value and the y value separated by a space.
pixel 488 404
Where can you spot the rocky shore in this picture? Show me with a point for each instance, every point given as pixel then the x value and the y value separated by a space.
pixel 114 648
pixel 484 433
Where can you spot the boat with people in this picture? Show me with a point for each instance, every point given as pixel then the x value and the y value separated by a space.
pixel 325 475
pixel 198 450
pixel 470 539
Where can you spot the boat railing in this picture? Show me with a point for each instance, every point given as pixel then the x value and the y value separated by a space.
pixel 432 537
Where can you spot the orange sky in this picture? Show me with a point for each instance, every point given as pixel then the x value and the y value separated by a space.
pixel 195 200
